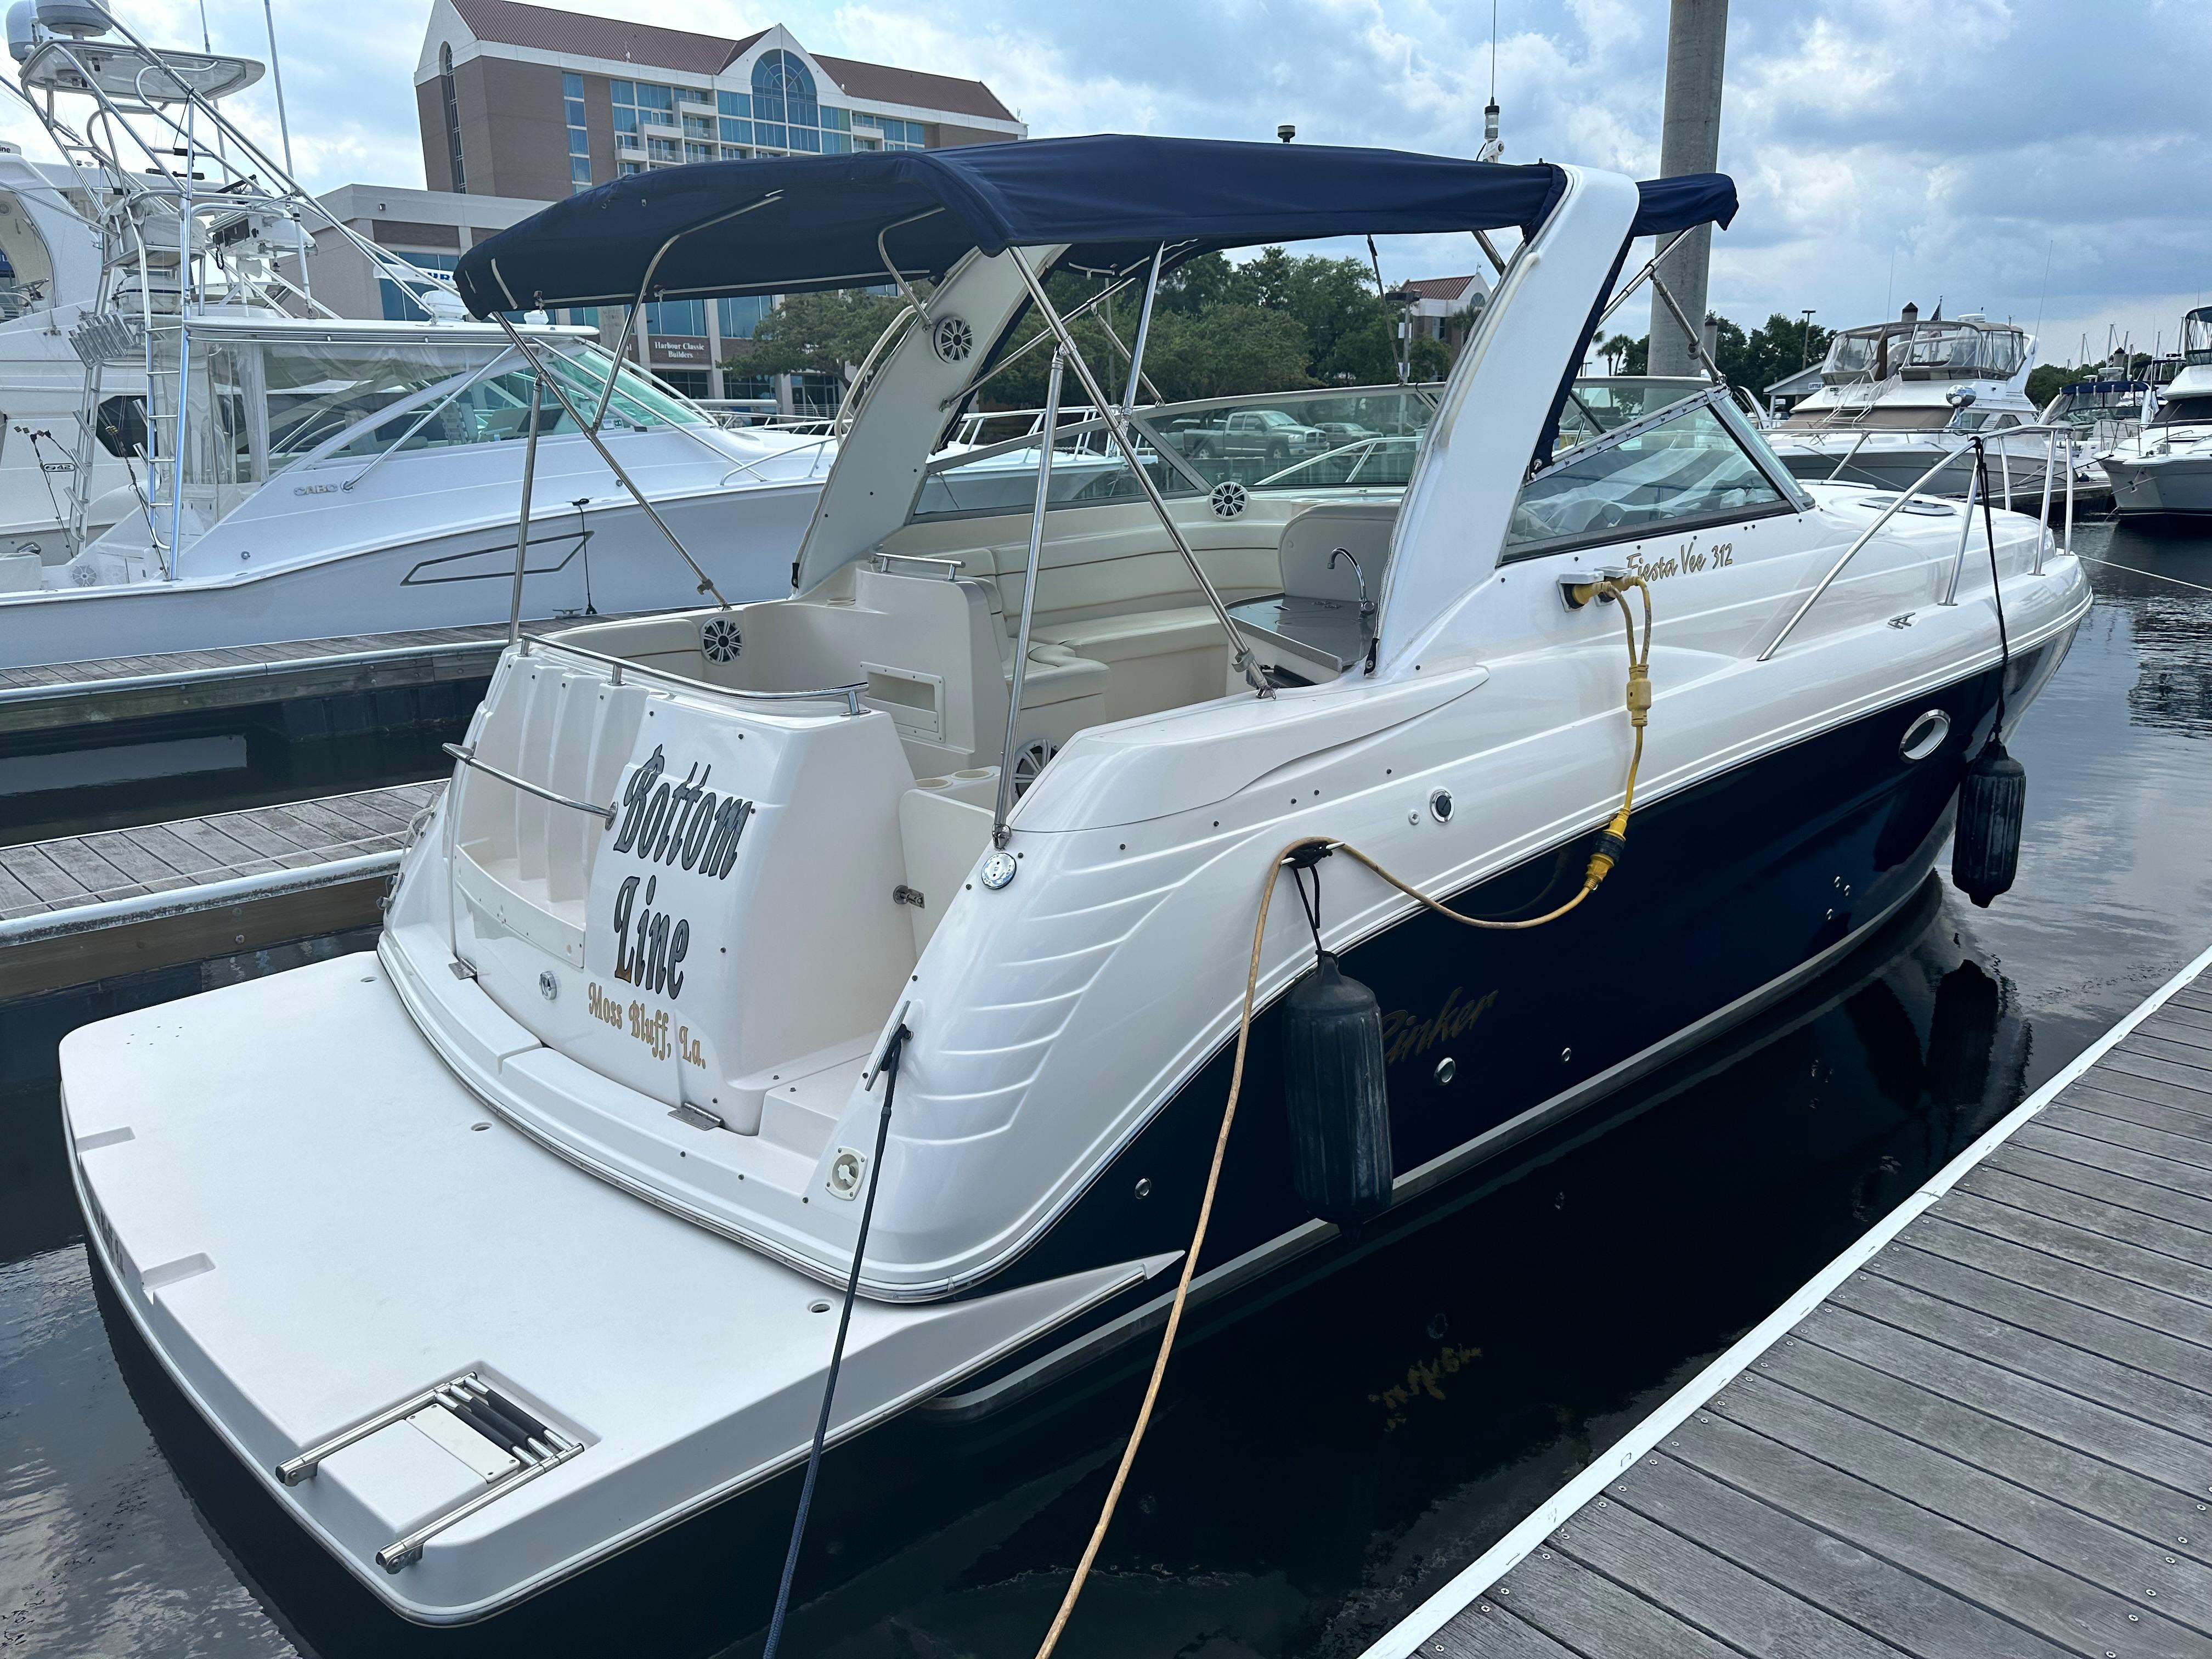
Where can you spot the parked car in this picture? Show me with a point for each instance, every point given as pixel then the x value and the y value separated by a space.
pixel 1266 435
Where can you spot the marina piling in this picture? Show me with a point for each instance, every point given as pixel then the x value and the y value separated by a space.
pixel 1689 142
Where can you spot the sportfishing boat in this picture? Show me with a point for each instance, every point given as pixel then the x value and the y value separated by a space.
pixel 1901 397
pixel 908 942
pixel 2167 465
pixel 222 460
pixel 49 279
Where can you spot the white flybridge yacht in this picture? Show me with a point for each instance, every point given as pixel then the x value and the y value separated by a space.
pixel 1897 398
pixel 735 974
pixel 2166 465
pixel 233 463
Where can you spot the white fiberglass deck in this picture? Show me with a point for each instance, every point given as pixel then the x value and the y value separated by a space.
pixel 292 1305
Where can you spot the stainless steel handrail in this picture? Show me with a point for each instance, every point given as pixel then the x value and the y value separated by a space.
pixel 468 757
pixel 949 570
pixel 2050 435
pixel 850 694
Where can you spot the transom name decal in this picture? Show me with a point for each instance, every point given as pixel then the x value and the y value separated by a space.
pixel 668 823
pixel 648 955
pixel 682 823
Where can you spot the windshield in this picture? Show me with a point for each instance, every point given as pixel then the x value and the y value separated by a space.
pixel 1364 439
pixel 259 404
pixel 1961 351
pixel 1854 357
pixel 1689 468
pixel 1602 403
pixel 2197 336
pixel 1925 351
pixel 2088 402
pixel 480 407
pixel 2178 411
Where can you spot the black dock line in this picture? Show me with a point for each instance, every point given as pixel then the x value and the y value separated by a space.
pixel 891 1065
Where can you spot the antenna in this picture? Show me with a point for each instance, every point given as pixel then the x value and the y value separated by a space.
pixel 1492 150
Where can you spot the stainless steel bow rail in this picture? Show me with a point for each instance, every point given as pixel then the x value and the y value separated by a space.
pixel 468 758
pixel 458 1414
pixel 2051 435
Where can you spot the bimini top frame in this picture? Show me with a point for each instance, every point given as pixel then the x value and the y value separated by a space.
pixel 1107 206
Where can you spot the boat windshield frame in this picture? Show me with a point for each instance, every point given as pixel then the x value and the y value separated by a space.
pixel 423 402
pixel 1791 496
pixel 1922 335
pixel 2197 337
pixel 1191 482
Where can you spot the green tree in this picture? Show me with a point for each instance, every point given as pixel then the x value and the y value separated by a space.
pixel 2044 380
pixel 1431 358
pixel 1335 301
pixel 1771 352
pixel 818 333
pixel 1227 349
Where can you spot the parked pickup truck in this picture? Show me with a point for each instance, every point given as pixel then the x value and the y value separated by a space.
pixel 1268 436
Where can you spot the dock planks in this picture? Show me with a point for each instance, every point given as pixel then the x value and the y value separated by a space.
pixel 1986 1433
pixel 56 696
pixel 55 877
pixel 64 904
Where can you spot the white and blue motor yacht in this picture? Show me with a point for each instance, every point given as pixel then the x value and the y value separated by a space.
pixel 522 1239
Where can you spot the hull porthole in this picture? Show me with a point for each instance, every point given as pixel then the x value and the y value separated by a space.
pixel 1925 735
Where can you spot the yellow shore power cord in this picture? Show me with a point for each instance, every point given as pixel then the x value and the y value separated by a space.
pixel 1602 859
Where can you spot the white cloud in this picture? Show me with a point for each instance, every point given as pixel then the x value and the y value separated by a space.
pixel 1963 150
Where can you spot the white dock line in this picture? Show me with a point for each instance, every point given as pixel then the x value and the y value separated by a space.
pixel 1406 1638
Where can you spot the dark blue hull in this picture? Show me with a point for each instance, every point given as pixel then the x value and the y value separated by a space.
pixel 1728 889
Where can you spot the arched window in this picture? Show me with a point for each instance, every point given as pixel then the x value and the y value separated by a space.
pixel 452 103
pixel 784 91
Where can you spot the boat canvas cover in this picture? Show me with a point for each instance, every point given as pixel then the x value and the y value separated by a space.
pixel 795 224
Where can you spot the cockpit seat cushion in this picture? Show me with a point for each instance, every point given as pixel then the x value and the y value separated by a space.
pixel 1056 674
pixel 1142 633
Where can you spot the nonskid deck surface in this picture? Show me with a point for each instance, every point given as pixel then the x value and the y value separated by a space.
pixel 1990 1436
pixel 291 1304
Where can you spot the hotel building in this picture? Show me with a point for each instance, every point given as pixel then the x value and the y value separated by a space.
pixel 520 105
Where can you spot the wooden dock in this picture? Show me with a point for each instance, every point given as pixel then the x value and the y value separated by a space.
pixel 89 908
pixel 1985 1432
pixel 60 695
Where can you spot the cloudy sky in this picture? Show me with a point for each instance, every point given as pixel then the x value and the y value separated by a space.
pixel 2023 158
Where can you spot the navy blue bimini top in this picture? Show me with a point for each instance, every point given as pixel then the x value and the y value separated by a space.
pixel 794 224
